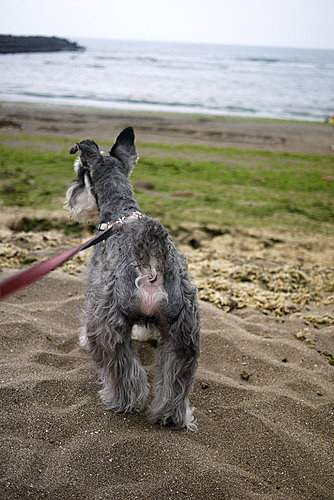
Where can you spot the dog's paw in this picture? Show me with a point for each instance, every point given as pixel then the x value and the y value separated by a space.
pixel 174 421
pixel 173 425
pixel 170 424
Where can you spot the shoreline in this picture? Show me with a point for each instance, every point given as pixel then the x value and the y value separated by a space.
pixel 114 109
pixel 56 120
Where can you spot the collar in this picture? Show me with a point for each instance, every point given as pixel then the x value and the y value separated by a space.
pixel 107 225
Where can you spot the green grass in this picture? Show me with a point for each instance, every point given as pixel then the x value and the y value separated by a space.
pixel 39 178
pixel 231 187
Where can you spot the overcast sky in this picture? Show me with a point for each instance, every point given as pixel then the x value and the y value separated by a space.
pixel 284 23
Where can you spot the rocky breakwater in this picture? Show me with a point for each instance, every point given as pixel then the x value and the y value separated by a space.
pixel 10 44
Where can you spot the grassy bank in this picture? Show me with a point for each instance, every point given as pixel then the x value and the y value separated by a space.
pixel 191 184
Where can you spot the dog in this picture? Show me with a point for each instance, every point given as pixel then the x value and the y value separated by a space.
pixel 137 280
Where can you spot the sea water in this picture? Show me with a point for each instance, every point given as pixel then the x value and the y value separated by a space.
pixel 177 77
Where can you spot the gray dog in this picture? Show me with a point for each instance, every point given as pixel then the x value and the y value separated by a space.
pixel 136 278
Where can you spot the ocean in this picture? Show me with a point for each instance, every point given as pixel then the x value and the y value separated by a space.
pixel 217 80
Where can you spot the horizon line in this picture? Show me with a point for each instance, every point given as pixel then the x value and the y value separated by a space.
pixel 186 42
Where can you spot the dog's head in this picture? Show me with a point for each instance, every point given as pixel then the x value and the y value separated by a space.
pixel 81 199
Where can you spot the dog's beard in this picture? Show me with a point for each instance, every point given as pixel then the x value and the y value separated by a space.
pixel 81 203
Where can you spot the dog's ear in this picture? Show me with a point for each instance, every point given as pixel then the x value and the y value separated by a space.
pixel 124 150
pixel 88 149
pixel 126 137
pixel 74 149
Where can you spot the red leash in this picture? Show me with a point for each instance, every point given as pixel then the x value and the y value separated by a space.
pixel 27 276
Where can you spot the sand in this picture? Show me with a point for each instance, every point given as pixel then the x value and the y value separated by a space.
pixel 263 393
pixel 263 399
pixel 103 125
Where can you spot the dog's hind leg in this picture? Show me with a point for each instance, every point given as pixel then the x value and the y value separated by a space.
pixel 82 337
pixel 124 381
pixel 177 364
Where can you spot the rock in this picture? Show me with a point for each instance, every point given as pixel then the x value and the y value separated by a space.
pixel 8 189
pixel 244 375
pixel 14 44
pixel 144 184
pixel 183 194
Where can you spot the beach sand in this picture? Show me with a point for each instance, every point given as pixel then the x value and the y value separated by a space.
pixel 104 125
pixel 263 393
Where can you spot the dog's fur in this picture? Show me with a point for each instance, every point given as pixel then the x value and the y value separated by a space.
pixel 136 278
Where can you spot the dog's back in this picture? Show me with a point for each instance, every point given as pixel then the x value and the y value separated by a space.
pixel 151 249
pixel 139 256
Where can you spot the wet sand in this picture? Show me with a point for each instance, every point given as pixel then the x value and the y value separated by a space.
pixel 103 125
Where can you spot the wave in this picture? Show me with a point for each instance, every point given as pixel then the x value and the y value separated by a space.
pixel 161 106
pixel 127 58
pixel 240 81
pixel 164 105
pixel 96 66
pixel 261 59
pixel 286 62
pixel 48 95
pixel 240 109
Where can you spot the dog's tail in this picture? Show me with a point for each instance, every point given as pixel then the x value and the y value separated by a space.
pixel 151 251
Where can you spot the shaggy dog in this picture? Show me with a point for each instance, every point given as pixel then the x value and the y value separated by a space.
pixel 135 278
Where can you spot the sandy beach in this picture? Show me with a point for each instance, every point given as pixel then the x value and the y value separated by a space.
pixel 263 393
pixel 67 121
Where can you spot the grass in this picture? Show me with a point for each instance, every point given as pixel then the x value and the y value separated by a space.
pixel 229 186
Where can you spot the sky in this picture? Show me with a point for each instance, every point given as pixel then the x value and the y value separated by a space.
pixel 276 23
